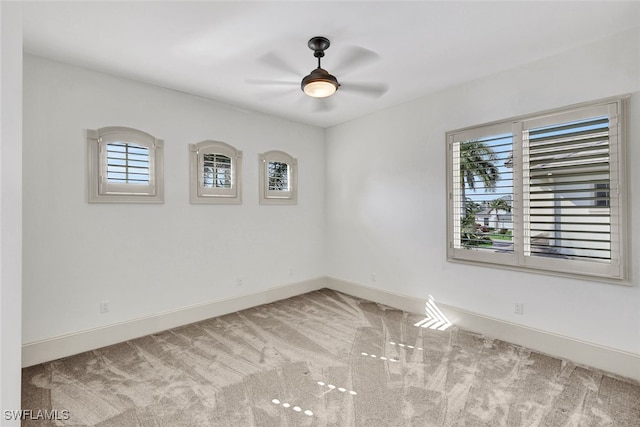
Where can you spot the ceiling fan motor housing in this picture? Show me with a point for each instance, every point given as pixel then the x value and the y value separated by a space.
pixel 318 84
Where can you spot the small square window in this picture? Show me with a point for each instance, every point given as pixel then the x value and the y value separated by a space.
pixel 125 166
pixel 278 178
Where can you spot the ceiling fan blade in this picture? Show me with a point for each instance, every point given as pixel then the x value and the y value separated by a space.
pixel 372 90
pixel 272 82
pixel 278 88
pixel 274 60
pixel 355 57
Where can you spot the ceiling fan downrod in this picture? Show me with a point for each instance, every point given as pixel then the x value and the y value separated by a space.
pixel 318 45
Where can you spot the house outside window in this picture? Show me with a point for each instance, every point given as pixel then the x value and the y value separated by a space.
pixel 543 184
pixel 125 165
pixel 601 194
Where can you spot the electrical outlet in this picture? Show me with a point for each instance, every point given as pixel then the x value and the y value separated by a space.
pixel 518 308
pixel 240 282
pixel 373 277
pixel 104 307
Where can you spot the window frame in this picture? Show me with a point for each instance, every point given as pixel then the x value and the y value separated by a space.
pixel 201 194
pixel 617 269
pixel 455 254
pixel 100 190
pixel 280 197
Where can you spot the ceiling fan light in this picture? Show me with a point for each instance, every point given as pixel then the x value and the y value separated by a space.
pixel 319 84
pixel 319 89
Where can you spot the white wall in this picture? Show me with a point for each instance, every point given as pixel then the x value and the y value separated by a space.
pixel 10 206
pixel 386 197
pixel 149 259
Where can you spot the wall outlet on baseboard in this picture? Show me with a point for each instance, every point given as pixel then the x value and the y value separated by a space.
pixel 239 282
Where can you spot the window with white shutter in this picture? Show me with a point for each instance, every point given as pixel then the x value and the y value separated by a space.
pixel 278 178
pixel 125 166
pixel 127 163
pixel 215 173
pixel 561 176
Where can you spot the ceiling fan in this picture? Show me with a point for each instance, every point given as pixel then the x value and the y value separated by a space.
pixel 319 83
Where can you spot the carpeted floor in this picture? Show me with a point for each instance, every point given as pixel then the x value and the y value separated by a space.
pixel 323 359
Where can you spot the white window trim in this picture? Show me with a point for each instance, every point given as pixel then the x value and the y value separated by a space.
pixel 200 194
pixel 617 271
pixel 464 255
pixel 100 191
pixel 270 197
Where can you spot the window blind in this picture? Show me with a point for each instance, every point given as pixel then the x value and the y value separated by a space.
pixel 278 176
pixel 566 168
pixel 561 173
pixel 483 193
pixel 216 171
pixel 127 163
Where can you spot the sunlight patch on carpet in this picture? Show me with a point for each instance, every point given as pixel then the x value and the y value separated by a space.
pixel 435 318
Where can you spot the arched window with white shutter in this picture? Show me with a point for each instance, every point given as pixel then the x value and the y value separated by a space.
pixel 215 173
pixel 125 166
pixel 278 178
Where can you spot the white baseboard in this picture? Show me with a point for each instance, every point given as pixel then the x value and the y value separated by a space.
pixel 70 344
pixel 608 359
pixel 601 357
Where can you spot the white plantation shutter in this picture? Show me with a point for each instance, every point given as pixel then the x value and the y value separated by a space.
pixel 278 175
pixel 128 163
pixel 125 166
pixel 571 200
pixel 278 178
pixel 480 231
pixel 568 205
pixel 215 169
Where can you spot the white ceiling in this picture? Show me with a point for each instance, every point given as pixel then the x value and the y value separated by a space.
pixel 219 50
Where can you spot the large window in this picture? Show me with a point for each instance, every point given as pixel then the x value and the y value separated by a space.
pixel 125 166
pixel 215 173
pixel 544 192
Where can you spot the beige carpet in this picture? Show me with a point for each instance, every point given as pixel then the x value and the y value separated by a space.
pixel 324 359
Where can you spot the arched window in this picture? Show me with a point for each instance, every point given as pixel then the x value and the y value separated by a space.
pixel 125 166
pixel 278 178
pixel 215 173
